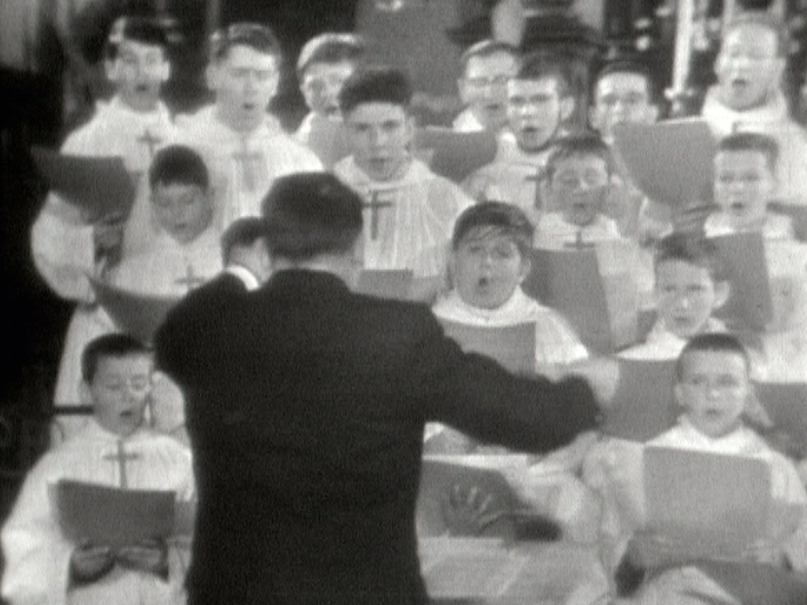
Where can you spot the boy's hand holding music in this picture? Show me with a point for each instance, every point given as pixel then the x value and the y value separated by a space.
pixel 90 561
pixel 602 375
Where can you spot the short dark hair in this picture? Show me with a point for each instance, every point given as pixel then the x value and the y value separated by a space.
pixel 624 66
pixel 717 342
pixel 146 30
pixel 330 47
pixel 752 141
pixel 761 19
pixel 536 66
pixel 575 145
pixel 178 164
pixel 499 217
pixel 308 214
pixel 258 37
pixel 242 232
pixel 487 48
pixel 376 84
pixel 691 248
pixel 115 345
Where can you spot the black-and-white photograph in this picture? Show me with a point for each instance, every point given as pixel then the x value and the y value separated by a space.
pixel 403 302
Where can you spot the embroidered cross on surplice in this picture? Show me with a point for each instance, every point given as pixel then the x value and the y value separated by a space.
pixel 375 205
pixel 122 457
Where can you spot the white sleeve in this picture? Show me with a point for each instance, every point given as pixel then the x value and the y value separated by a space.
pixel 63 249
pixel 37 556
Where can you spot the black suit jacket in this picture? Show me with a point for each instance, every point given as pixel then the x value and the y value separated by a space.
pixel 306 406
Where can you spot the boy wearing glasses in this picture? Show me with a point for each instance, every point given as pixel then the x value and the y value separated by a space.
pixel 487 66
pixel 325 62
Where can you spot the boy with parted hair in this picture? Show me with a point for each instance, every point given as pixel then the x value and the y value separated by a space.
pixel 538 104
pixel 243 146
pixel 410 211
pixel 325 62
pixel 42 564
pixel 487 66
pixel 66 247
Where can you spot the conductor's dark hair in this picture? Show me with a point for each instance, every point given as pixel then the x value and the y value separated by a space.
pixel 242 232
pixel 178 164
pixel 115 346
pixel 752 141
pixel 146 30
pixel 495 217
pixel 691 248
pixel 309 214
pixel 376 84
pixel 587 144
pixel 713 342
pixel 253 35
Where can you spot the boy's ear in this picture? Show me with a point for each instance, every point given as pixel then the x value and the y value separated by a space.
pixel 722 293
pixel 594 117
pixel 164 71
pixel 567 105
pixel 678 394
pixel 462 90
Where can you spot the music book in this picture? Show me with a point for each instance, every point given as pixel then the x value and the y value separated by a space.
pixel 99 186
pixel 758 583
pixel 750 301
pixel 786 405
pixel 452 154
pixel 704 505
pixel 442 475
pixel 591 287
pixel 136 314
pixel 113 516
pixel 513 347
pixel 797 214
pixel 394 283
pixel 670 161
pixel 328 140
pixel 643 405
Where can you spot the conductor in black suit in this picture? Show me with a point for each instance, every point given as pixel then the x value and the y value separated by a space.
pixel 306 407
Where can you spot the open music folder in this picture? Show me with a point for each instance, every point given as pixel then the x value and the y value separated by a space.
pixel 112 516
pixel 136 314
pixel 591 287
pixel 452 154
pixel 643 405
pixel 670 161
pixel 99 186
pixel 513 347
pixel 702 506
pixel 750 301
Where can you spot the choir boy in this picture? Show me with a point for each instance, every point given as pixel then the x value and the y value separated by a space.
pixel 42 564
pixel 325 62
pixel 538 104
pixel 409 210
pixel 745 181
pixel 487 66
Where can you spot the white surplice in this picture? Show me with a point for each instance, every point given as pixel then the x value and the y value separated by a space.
pixel 514 177
pixel 36 552
pixel 407 222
